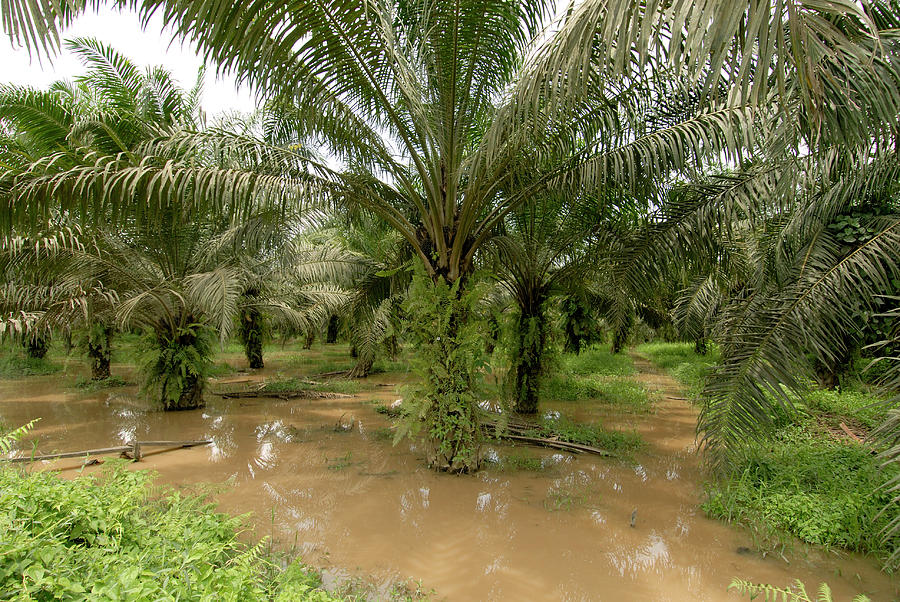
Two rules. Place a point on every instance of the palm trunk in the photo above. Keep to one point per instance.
(528, 359)
(331, 335)
(493, 334)
(68, 345)
(36, 346)
(393, 345)
(183, 358)
(309, 338)
(621, 334)
(252, 337)
(701, 346)
(448, 357)
(99, 351)
(191, 397)
(362, 368)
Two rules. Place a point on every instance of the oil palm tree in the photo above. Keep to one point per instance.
(432, 105)
(545, 250)
(35, 300)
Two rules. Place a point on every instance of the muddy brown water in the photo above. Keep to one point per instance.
(354, 505)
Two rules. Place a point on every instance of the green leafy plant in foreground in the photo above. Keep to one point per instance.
(8, 440)
(795, 593)
(104, 537)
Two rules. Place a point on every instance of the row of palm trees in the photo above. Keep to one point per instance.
(744, 129)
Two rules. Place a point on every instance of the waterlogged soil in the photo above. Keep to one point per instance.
(322, 478)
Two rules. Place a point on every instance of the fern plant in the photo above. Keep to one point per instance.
(8, 440)
(795, 593)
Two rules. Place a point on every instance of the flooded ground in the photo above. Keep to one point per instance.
(354, 505)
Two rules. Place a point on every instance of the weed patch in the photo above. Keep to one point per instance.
(823, 492)
(847, 406)
(90, 385)
(598, 360)
(18, 366)
(594, 435)
(102, 537)
(347, 387)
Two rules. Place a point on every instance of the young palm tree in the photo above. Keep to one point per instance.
(544, 251)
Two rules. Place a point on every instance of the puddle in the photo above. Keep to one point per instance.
(354, 505)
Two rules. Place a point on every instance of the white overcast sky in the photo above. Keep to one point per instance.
(146, 47)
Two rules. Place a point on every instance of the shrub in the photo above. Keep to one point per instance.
(823, 492)
(103, 537)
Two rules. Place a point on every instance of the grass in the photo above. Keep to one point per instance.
(382, 434)
(386, 410)
(221, 369)
(348, 387)
(598, 360)
(850, 407)
(517, 461)
(593, 435)
(597, 374)
(681, 363)
(90, 385)
(341, 462)
(17, 365)
(802, 482)
(820, 490)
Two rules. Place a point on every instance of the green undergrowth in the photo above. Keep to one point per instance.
(594, 435)
(348, 387)
(221, 369)
(105, 537)
(517, 460)
(681, 363)
(387, 410)
(598, 360)
(598, 375)
(821, 490)
(852, 407)
(808, 480)
(90, 385)
(16, 365)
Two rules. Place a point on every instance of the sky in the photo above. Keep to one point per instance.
(145, 47)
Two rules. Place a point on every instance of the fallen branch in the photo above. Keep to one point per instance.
(849, 432)
(301, 394)
(88, 452)
(335, 373)
(134, 448)
(575, 448)
(524, 433)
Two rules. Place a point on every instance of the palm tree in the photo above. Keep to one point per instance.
(433, 105)
(544, 251)
(35, 300)
(111, 109)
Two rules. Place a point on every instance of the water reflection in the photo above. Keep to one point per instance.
(348, 499)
